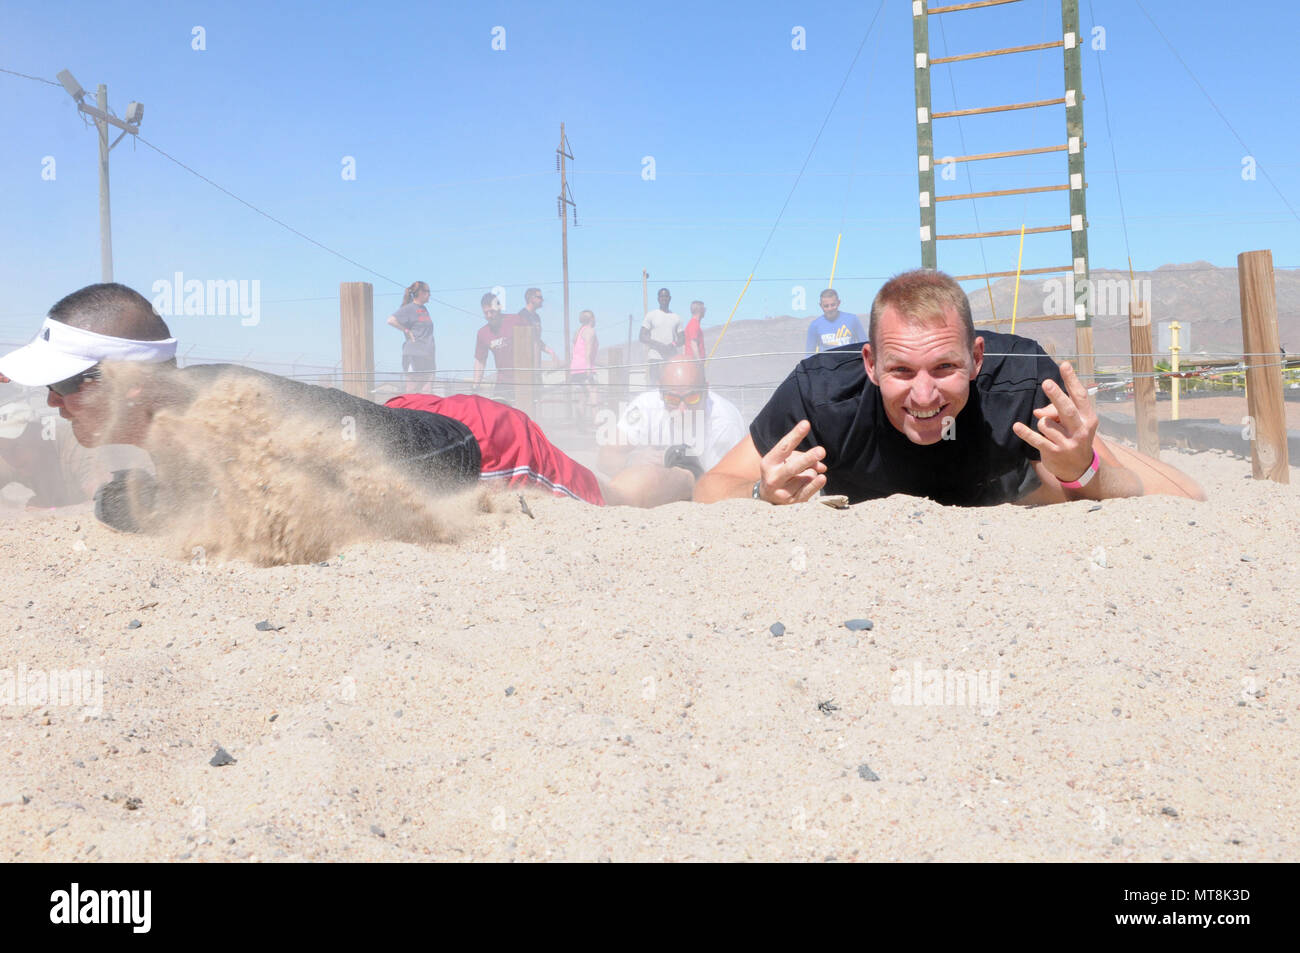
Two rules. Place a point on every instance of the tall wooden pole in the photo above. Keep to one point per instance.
(924, 132)
(357, 326)
(1269, 456)
(1144, 382)
(1083, 299)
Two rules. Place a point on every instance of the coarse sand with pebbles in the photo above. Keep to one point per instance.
(605, 684)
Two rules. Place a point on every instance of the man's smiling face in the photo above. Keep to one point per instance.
(924, 371)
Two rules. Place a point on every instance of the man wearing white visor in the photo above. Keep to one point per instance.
(443, 444)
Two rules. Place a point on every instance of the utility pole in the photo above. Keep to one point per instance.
(103, 119)
(105, 213)
(563, 203)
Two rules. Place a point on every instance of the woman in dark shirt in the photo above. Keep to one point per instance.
(418, 355)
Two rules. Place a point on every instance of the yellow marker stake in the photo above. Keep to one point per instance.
(1015, 301)
(732, 315)
(835, 260)
(1174, 351)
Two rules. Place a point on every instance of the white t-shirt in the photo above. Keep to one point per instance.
(663, 326)
(710, 429)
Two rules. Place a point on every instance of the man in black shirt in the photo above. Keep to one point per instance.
(927, 408)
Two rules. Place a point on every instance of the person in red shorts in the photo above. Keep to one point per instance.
(445, 443)
(514, 450)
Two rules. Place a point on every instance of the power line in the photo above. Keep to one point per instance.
(38, 79)
(1215, 107)
(250, 205)
(286, 226)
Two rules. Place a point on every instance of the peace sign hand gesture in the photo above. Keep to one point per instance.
(789, 476)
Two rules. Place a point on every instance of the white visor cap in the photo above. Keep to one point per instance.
(60, 351)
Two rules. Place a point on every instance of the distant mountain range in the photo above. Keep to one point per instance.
(1204, 299)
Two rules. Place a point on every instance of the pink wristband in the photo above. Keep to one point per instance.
(1088, 474)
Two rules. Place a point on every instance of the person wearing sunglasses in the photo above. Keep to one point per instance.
(667, 437)
(108, 361)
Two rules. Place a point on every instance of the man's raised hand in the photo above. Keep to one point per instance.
(1066, 428)
(791, 476)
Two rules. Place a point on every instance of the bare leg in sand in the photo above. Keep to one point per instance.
(1158, 479)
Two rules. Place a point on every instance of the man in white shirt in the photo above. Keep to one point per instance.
(668, 437)
(662, 334)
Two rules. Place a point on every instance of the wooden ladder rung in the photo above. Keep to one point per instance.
(1036, 319)
(1006, 49)
(1012, 274)
(1007, 155)
(986, 195)
(982, 110)
(969, 6)
(1004, 233)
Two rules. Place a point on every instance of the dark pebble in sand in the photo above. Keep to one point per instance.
(326, 563)
(133, 804)
(1115, 712)
(133, 624)
(266, 626)
(859, 625)
(377, 830)
(777, 629)
(510, 690)
(1093, 509)
(221, 758)
(866, 774)
(1247, 559)
(1169, 810)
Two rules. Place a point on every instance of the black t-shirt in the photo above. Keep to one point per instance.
(437, 450)
(867, 458)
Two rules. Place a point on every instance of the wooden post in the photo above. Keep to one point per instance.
(1269, 457)
(924, 133)
(616, 382)
(525, 398)
(357, 325)
(1144, 382)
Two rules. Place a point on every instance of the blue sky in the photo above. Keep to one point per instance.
(454, 145)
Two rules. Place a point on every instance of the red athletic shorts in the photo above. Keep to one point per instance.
(513, 448)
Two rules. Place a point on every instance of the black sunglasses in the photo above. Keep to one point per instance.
(69, 386)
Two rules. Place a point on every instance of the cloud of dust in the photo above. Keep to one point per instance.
(243, 477)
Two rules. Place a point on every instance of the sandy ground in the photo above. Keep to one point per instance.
(603, 684)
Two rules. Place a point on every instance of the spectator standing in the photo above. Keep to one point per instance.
(497, 337)
(662, 335)
(419, 359)
(582, 370)
(528, 313)
(834, 328)
(694, 350)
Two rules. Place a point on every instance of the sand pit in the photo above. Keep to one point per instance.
(603, 684)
